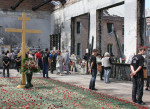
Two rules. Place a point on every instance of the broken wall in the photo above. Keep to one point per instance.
(39, 20)
(79, 8)
(91, 6)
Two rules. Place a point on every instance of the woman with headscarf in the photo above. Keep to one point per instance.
(107, 67)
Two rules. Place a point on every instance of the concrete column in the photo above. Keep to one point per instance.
(93, 27)
(130, 21)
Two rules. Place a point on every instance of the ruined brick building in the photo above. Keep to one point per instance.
(110, 43)
(77, 25)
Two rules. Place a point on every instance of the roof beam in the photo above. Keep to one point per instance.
(16, 5)
(63, 2)
(40, 5)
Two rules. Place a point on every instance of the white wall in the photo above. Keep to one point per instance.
(93, 27)
(90, 6)
(38, 21)
(130, 38)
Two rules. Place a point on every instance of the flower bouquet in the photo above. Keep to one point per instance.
(29, 67)
(84, 65)
(79, 61)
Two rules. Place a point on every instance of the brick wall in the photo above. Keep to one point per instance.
(103, 37)
(82, 38)
(109, 38)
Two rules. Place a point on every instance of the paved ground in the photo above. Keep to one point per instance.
(120, 89)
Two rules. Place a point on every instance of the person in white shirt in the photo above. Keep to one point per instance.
(107, 67)
(102, 72)
(12, 57)
(30, 55)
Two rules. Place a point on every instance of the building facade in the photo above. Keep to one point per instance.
(81, 7)
(110, 24)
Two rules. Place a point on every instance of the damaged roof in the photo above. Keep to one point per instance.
(40, 5)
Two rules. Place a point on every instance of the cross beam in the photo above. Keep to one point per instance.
(16, 5)
(40, 5)
(23, 49)
(21, 30)
(20, 53)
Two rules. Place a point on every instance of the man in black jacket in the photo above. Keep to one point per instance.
(138, 76)
(6, 61)
(45, 61)
(93, 69)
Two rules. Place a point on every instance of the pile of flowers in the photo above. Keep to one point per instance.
(79, 60)
(83, 64)
(29, 66)
(53, 94)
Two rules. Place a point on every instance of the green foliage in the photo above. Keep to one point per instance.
(29, 66)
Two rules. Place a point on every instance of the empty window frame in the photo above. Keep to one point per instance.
(78, 27)
(110, 27)
(122, 30)
(55, 41)
(110, 48)
(123, 48)
(78, 49)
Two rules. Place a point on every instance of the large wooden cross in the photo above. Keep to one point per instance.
(23, 49)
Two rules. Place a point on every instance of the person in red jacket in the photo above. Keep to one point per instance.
(38, 59)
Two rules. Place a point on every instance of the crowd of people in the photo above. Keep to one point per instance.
(46, 60)
(53, 60)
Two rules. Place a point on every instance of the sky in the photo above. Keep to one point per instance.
(147, 4)
(118, 10)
